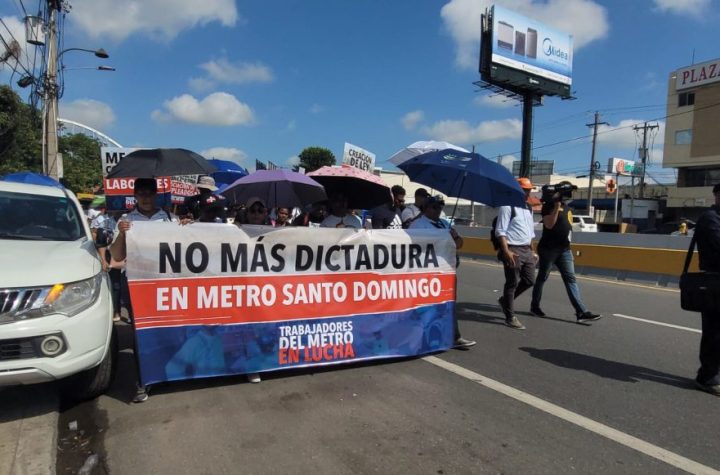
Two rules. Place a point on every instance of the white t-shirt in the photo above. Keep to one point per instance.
(349, 220)
(410, 212)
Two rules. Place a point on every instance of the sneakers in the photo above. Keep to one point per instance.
(537, 312)
(141, 395)
(588, 316)
(514, 323)
(506, 311)
(713, 389)
(463, 344)
(254, 378)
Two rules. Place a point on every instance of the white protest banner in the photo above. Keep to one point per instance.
(257, 299)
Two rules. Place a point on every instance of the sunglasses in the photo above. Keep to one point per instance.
(256, 210)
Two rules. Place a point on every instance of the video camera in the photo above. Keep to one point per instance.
(564, 188)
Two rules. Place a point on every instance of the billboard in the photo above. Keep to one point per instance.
(621, 166)
(698, 75)
(524, 54)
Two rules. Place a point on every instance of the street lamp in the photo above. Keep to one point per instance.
(52, 160)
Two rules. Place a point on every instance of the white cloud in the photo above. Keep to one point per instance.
(462, 133)
(222, 71)
(623, 136)
(316, 109)
(201, 84)
(226, 153)
(158, 18)
(495, 100)
(292, 125)
(17, 47)
(584, 19)
(693, 8)
(217, 109)
(412, 119)
(95, 114)
(293, 161)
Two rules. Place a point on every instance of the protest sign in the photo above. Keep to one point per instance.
(216, 299)
(358, 158)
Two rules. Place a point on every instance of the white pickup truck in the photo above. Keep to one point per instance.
(55, 300)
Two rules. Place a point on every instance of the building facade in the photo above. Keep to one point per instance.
(692, 138)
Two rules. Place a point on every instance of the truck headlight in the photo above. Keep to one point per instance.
(66, 299)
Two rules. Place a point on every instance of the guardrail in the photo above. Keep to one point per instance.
(656, 257)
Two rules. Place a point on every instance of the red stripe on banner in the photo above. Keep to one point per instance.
(255, 299)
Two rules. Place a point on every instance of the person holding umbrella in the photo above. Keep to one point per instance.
(145, 192)
(430, 219)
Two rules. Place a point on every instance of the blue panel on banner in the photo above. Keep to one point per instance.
(185, 352)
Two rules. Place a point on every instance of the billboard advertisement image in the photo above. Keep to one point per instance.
(529, 46)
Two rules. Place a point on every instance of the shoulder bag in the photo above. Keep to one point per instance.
(699, 291)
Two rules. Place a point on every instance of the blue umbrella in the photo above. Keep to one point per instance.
(465, 175)
(32, 179)
(227, 171)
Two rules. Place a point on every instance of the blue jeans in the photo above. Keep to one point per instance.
(563, 260)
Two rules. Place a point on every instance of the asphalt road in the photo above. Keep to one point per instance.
(611, 397)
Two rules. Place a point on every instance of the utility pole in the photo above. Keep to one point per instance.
(644, 154)
(592, 159)
(52, 160)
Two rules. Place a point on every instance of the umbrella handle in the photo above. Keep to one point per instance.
(458, 197)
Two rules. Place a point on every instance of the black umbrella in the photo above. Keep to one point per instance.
(157, 162)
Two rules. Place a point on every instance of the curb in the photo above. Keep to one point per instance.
(28, 430)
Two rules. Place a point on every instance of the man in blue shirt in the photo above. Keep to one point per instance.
(515, 232)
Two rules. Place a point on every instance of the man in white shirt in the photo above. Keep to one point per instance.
(413, 211)
(515, 231)
(340, 216)
(431, 219)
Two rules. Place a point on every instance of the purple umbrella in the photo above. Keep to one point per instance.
(278, 188)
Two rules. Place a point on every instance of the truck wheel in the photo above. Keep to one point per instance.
(93, 382)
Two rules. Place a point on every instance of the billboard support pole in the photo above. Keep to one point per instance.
(525, 157)
(617, 194)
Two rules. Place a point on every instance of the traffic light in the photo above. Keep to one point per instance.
(610, 185)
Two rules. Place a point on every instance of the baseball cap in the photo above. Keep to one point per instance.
(437, 199)
(206, 182)
(253, 200)
(525, 183)
(145, 184)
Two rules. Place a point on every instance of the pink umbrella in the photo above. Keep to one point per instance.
(363, 190)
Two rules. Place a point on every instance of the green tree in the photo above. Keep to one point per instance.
(81, 162)
(20, 134)
(312, 158)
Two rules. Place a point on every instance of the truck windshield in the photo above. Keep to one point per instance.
(39, 217)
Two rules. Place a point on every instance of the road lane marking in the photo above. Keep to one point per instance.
(608, 432)
(670, 325)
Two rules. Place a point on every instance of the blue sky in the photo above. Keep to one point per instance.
(243, 80)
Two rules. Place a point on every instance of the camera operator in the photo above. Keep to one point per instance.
(554, 248)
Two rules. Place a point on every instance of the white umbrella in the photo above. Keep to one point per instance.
(418, 148)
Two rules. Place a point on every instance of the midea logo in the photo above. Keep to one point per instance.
(551, 50)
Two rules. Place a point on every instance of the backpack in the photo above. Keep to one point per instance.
(493, 238)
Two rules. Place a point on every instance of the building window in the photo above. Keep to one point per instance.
(688, 177)
(686, 99)
(683, 137)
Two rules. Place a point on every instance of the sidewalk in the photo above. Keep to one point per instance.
(28, 429)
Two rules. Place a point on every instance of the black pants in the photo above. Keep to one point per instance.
(709, 372)
(519, 276)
